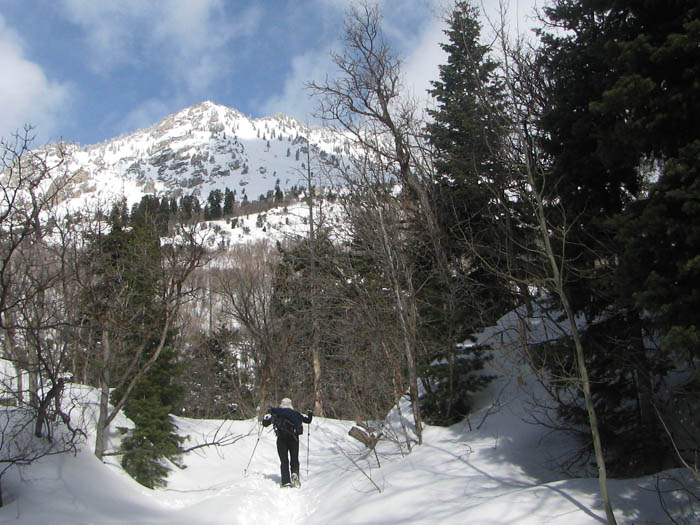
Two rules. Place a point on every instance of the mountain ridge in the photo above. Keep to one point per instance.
(201, 148)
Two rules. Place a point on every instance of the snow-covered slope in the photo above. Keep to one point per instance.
(485, 470)
(203, 147)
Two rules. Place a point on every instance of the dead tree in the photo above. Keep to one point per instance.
(31, 281)
(365, 101)
(314, 274)
(246, 289)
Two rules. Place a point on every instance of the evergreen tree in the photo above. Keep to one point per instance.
(196, 207)
(146, 212)
(154, 436)
(657, 92)
(215, 379)
(119, 216)
(163, 217)
(213, 209)
(173, 207)
(660, 240)
(186, 207)
(622, 100)
(229, 203)
(190, 208)
(467, 134)
(136, 252)
(279, 195)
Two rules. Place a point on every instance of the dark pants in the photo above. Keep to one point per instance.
(288, 450)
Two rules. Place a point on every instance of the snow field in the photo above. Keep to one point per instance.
(494, 468)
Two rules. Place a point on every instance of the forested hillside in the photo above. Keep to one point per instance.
(561, 177)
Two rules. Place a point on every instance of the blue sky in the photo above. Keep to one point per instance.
(89, 70)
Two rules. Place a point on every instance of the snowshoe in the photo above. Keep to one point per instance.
(287, 485)
(296, 481)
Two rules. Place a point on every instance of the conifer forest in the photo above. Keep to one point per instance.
(558, 174)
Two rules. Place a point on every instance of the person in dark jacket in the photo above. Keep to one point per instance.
(287, 423)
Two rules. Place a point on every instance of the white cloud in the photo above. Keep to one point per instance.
(424, 53)
(339, 4)
(295, 99)
(421, 51)
(185, 41)
(111, 29)
(519, 15)
(27, 96)
(145, 115)
(415, 29)
(420, 67)
(195, 37)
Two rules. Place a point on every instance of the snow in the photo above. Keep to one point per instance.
(493, 468)
(280, 223)
(197, 150)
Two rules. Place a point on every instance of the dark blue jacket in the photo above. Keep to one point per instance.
(286, 420)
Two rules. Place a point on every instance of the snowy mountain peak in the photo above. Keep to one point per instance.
(198, 149)
(200, 117)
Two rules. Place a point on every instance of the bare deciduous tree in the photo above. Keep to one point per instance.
(246, 288)
(366, 101)
(33, 422)
(547, 265)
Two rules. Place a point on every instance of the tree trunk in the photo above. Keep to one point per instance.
(11, 348)
(104, 397)
(141, 372)
(33, 379)
(590, 408)
(266, 376)
(318, 397)
(407, 315)
(559, 289)
(316, 332)
(645, 395)
(450, 380)
(396, 381)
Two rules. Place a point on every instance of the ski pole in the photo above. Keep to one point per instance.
(308, 444)
(245, 471)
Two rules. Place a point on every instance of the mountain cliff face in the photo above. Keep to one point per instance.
(201, 148)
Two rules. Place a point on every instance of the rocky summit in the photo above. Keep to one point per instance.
(199, 149)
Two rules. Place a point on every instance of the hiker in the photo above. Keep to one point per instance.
(287, 423)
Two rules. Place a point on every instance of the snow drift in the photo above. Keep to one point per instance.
(493, 468)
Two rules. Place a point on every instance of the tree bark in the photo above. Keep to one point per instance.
(104, 397)
(560, 290)
(315, 328)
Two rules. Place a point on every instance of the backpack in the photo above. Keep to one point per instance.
(287, 421)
